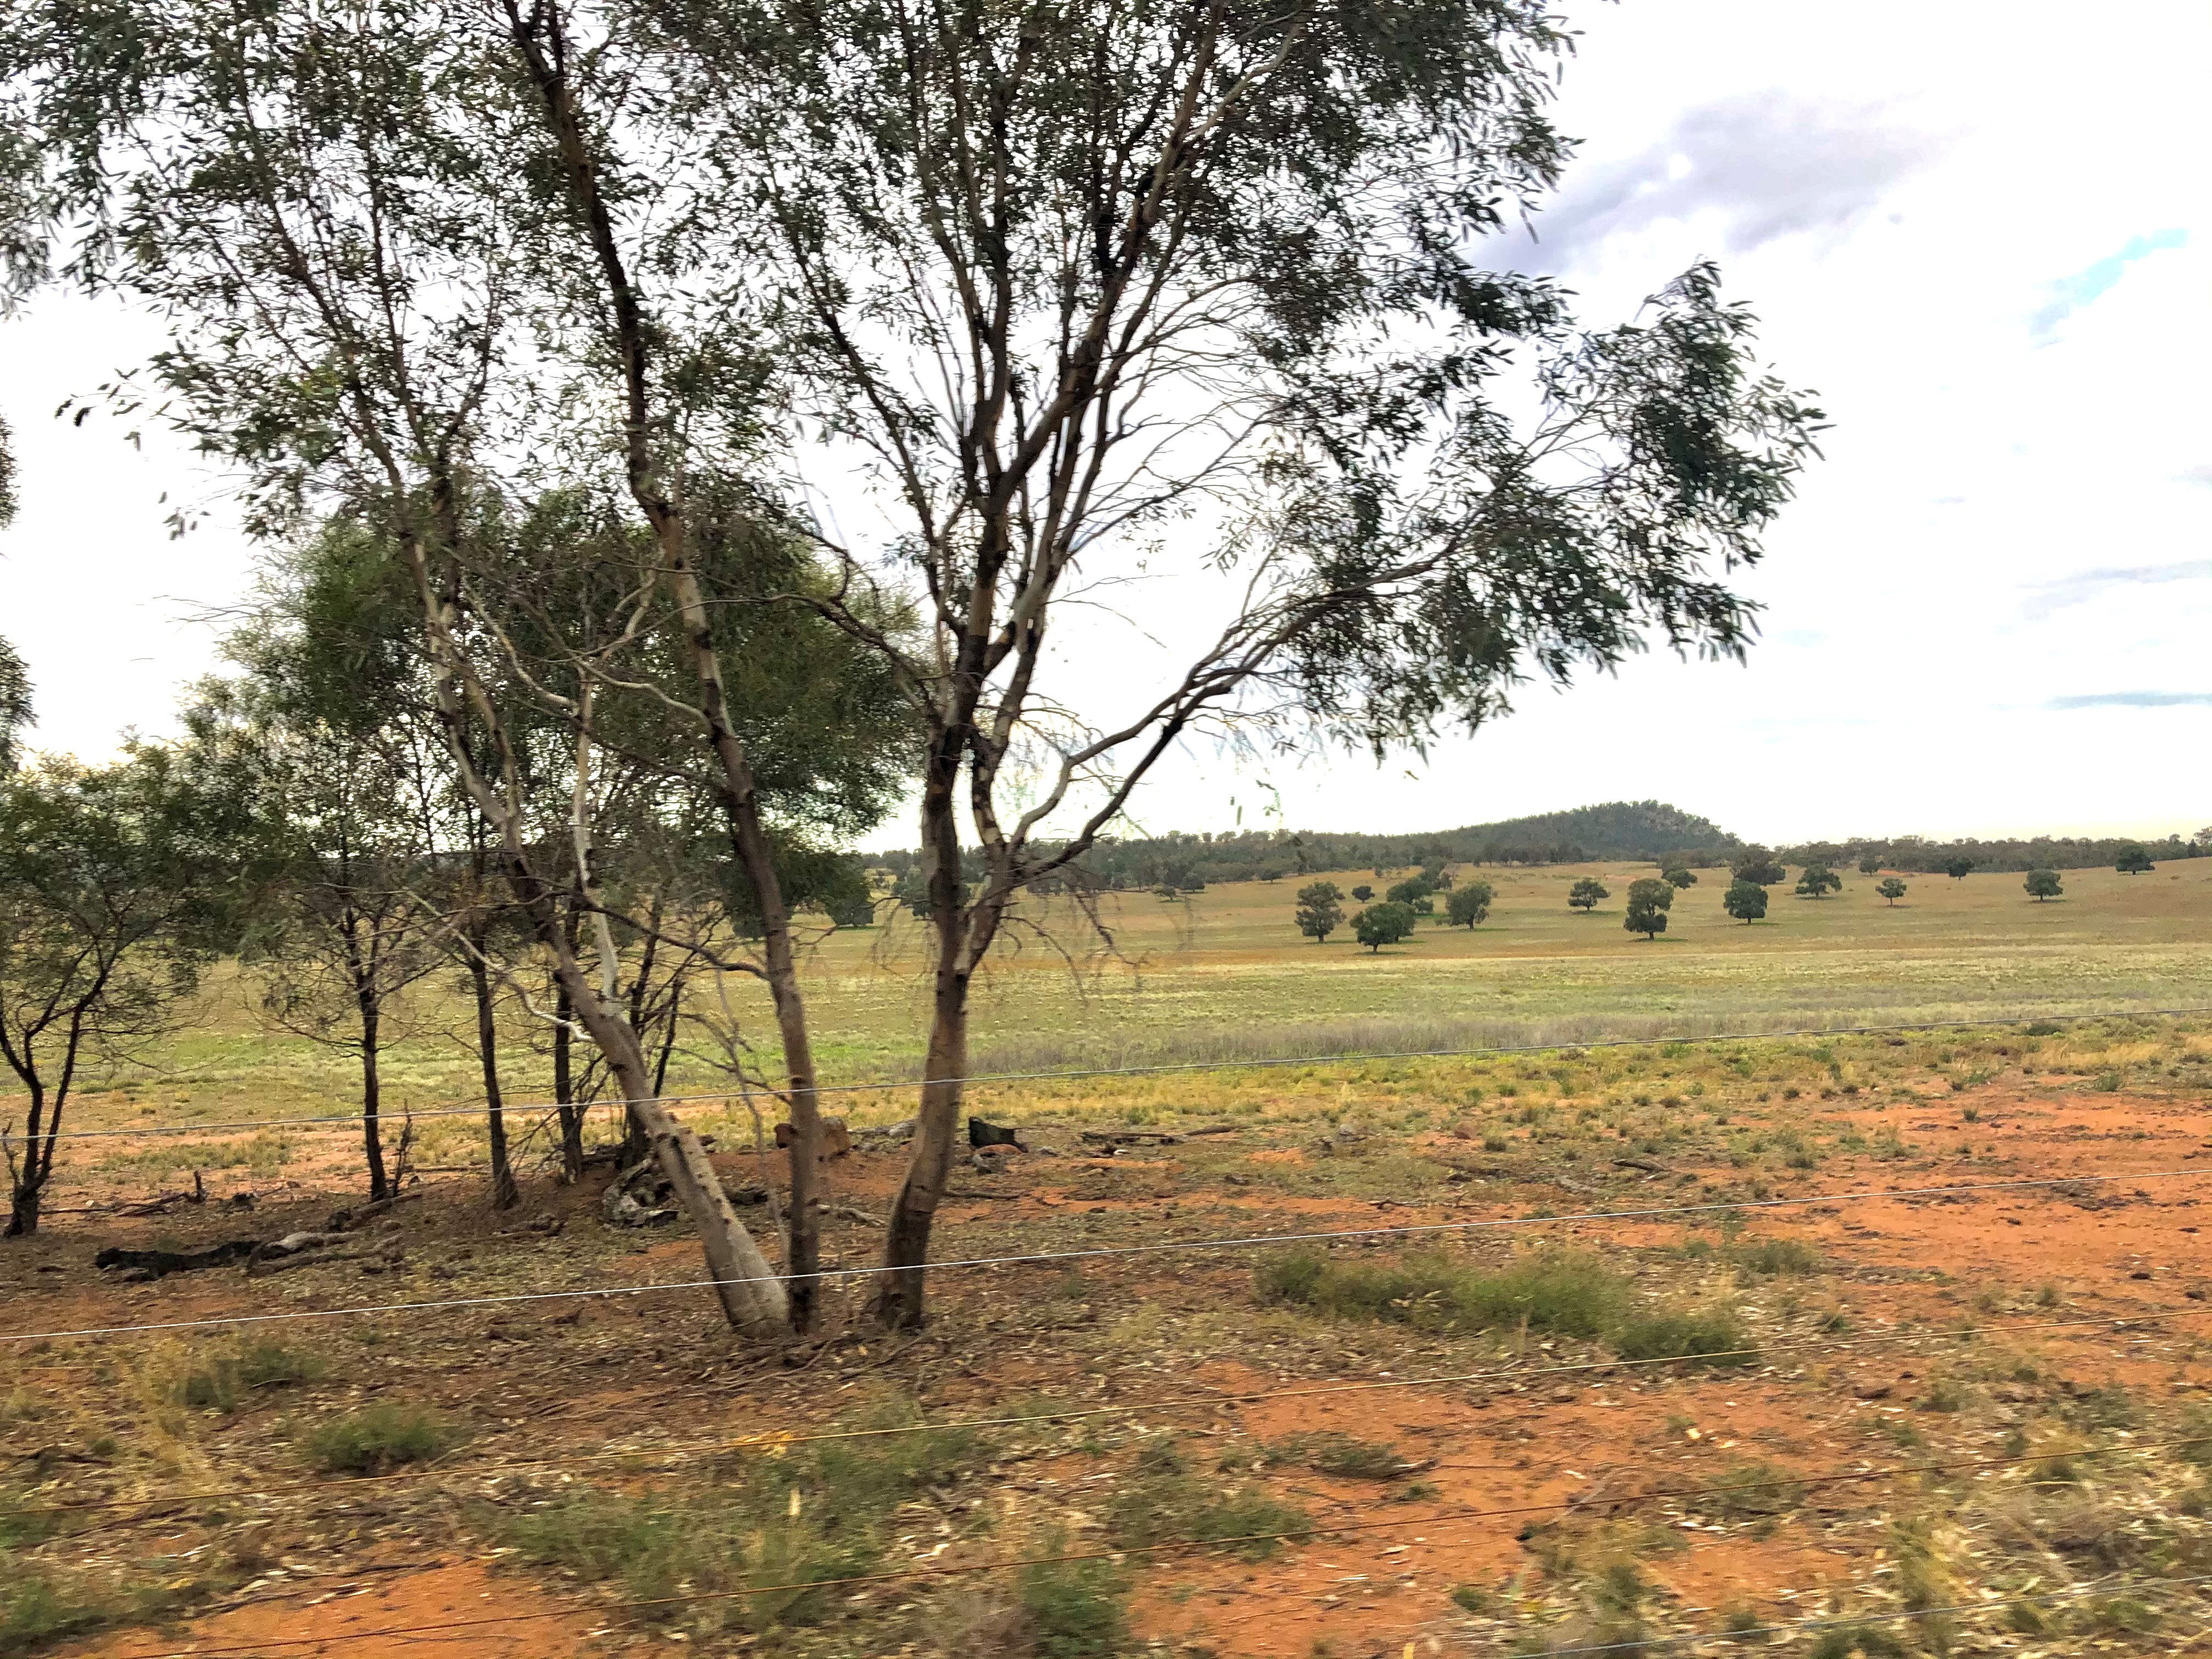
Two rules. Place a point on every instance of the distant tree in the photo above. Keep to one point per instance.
(1891, 888)
(1647, 902)
(1469, 904)
(1410, 891)
(1958, 868)
(1435, 878)
(1818, 881)
(1745, 900)
(2043, 884)
(1679, 878)
(1383, 924)
(1759, 866)
(1587, 893)
(2132, 860)
(1870, 864)
(118, 884)
(1321, 910)
(1362, 893)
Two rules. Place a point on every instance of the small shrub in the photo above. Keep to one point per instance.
(1472, 1598)
(1779, 1258)
(217, 1385)
(1750, 1491)
(1342, 1455)
(1714, 1335)
(377, 1437)
(1073, 1609)
(1160, 1508)
(1566, 1292)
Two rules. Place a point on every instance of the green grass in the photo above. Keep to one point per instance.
(1165, 1505)
(1713, 1335)
(1562, 1293)
(796, 1520)
(381, 1437)
(1073, 1609)
(219, 1382)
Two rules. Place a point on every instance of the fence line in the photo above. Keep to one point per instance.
(772, 1440)
(1098, 1252)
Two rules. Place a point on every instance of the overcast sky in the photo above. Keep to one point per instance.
(1979, 231)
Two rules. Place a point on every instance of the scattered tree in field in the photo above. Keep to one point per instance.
(1383, 924)
(1759, 866)
(1321, 910)
(1745, 900)
(1587, 893)
(1818, 881)
(1469, 904)
(1679, 878)
(2043, 884)
(1362, 893)
(1891, 889)
(2132, 860)
(1647, 902)
(118, 884)
(1959, 868)
(1870, 864)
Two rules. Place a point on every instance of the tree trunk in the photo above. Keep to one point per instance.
(899, 1302)
(27, 1183)
(564, 1089)
(504, 1194)
(635, 344)
(752, 1298)
(372, 1103)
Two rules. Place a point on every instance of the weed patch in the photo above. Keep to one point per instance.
(381, 1436)
(1562, 1293)
(1160, 1508)
(1712, 1336)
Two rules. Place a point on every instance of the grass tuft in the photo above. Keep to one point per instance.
(1563, 1292)
(1714, 1335)
(381, 1436)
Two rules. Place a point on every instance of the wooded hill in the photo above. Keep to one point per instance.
(1647, 829)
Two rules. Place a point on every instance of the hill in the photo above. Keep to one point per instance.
(1644, 829)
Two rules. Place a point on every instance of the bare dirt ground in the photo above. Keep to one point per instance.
(1469, 1484)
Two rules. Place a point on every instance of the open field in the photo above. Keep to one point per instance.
(1547, 1426)
(1225, 976)
(1493, 1477)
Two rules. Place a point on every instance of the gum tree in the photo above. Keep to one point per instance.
(1061, 278)
(385, 284)
(116, 889)
(1321, 910)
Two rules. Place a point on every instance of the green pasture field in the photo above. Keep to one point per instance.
(1224, 975)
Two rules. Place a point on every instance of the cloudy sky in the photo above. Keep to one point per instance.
(1979, 231)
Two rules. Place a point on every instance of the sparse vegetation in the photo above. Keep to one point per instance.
(381, 1436)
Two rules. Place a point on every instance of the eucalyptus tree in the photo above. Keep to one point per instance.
(366, 226)
(330, 203)
(118, 884)
(1100, 293)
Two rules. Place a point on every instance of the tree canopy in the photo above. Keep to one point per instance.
(2043, 884)
(1320, 910)
(1383, 924)
(1745, 900)
(1588, 893)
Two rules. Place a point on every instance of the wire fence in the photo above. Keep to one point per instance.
(1103, 1251)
